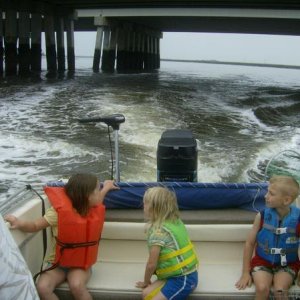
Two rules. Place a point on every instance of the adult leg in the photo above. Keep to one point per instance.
(77, 280)
(152, 292)
(281, 284)
(263, 283)
(48, 281)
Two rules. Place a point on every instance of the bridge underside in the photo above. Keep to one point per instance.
(228, 16)
(95, 4)
(128, 32)
(204, 24)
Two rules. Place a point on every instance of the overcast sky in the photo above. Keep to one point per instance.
(216, 46)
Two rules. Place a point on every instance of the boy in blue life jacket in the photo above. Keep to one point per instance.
(275, 238)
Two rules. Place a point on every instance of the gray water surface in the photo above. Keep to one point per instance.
(241, 116)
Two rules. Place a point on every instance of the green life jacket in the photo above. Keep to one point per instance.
(180, 261)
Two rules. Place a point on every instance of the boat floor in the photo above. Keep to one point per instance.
(206, 216)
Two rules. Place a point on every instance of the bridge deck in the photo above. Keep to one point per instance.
(233, 16)
(258, 4)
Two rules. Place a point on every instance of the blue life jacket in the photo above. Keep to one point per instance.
(277, 241)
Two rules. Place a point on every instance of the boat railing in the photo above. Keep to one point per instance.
(286, 162)
(20, 197)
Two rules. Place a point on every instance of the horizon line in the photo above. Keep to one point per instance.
(212, 61)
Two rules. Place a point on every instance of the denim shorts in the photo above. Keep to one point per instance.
(178, 288)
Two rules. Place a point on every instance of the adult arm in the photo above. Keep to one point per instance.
(298, 235)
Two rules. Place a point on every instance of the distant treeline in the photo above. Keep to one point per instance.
(232, 63)
(217, 62)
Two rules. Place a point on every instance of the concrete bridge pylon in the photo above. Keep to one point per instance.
(125, 47)
(20, 40)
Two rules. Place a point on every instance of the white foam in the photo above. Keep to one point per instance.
(24, 159)
(142, 126)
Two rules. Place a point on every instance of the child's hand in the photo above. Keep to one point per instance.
(142, 284)
(12, 220)
(110, 185)
(244, 281)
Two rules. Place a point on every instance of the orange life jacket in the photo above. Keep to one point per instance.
(78, 237)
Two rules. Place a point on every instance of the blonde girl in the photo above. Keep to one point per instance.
(171, 254)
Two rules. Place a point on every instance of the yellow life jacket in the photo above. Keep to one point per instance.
(177, 262)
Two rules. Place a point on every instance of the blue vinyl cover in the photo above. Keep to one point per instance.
(190, 195)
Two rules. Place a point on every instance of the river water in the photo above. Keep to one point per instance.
(240, 115)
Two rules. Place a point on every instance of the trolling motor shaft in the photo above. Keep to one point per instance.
(114, 121)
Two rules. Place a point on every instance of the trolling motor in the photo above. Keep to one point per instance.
(114, 121)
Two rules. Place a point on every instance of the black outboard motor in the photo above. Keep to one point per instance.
(177, 156)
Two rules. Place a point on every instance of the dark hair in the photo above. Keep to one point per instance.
(78, 188)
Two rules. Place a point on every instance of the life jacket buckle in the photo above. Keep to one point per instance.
(280, 230)
(282, 252)
(276, 250)
(283, 260)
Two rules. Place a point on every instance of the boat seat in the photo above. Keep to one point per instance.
(200, 216)
(111, 280)
(218, 235)
(123, 254)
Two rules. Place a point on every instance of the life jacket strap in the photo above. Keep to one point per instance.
(280, 230)
(279, 251)
(153, 293)
(282, 251)
(63, 247)
(191, 259)
(76, 245)
(177, 252)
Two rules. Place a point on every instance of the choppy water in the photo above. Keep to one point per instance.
(241, 116)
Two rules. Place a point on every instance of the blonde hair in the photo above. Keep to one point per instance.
(162, 205)
(287, 185)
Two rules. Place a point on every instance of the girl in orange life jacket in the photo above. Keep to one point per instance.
(79, 201)
(172, 257)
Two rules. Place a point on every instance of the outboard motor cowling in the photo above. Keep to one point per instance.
(177, 156)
